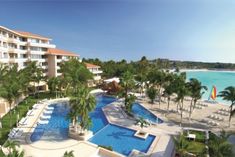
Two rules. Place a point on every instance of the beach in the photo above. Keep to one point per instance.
(200, 116)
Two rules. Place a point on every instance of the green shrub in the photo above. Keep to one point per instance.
(107, 147)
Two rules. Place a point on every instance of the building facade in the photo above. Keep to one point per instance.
(17, 47)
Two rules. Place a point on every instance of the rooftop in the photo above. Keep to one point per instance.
(28, 34)
(55, 51)
(89, 65)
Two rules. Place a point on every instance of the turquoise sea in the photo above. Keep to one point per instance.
(220, 79)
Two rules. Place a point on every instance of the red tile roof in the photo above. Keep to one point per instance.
(61, 52)
(28, 34)
(88, 65)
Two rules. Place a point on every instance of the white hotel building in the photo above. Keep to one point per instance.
(17, 47)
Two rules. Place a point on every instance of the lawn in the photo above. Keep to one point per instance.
(197, 146)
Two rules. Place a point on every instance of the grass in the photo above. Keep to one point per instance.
(197, 146)
(21, 109)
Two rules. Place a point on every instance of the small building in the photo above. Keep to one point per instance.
(95, 70)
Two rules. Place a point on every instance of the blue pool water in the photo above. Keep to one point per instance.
(121, 139)
(56, 129)
(140, 111)
(209, 78)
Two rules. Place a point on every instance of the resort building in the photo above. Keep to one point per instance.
(95, 70)
(17, 47)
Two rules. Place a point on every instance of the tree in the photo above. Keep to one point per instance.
(129, 103)
(53, 85)
(68, 154)
(181, 145)
(12, 149)
(36, 75)
(151, 93)
(10, 88)
(142, 122)
(228, 94)
(74, 75)
(169, 90)
(195, 89)
(82, 104)
(181, 93)
(157, 77)
(127, 82)
(219, 146)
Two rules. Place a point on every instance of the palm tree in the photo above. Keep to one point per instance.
(142, 122)
(10, 89)
(157, 77)
(195, 89)
(129, 103)
(12, 149)
(151, 93)
(228, 94)
(181, 93)
(181, 145)
(82, 104)
(127, 82)
(74, 73)
(169, 90)
(69, 154)
(219, 146)
(53, 85)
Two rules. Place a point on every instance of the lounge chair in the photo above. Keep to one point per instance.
(23, 121)
(47, 112)
(45, 117)
(43, 121)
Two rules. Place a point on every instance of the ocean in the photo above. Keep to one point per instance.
(220, 79)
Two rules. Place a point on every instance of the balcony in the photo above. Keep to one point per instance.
(37, 52)
(13, 40)
(96, 78)
(41, 45)
(12, 60)
(96, 71)
(11, 50)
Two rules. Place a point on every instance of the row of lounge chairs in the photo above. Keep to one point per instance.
(202, 104)
(215, 117)
(225, 109)
(15, 133)
(222, 113)
(44, 118)
(211, 122)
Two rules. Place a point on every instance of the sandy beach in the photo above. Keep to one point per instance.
(200, 116)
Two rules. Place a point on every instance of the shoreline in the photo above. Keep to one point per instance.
(207, 70)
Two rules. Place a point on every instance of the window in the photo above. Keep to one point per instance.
(23, 48)
(34, 56)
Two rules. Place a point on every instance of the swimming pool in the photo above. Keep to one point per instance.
(56, 129)
(121, 139)
(140, 111)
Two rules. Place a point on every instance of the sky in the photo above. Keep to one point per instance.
(192, 30)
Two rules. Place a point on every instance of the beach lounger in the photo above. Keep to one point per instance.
(47, 112)
(23, 121)
(15, 133)
(45, 117)
(30, 113)
(43, 121)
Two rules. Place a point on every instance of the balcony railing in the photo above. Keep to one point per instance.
(41, 45)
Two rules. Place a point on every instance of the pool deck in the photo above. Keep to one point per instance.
(161, 146)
